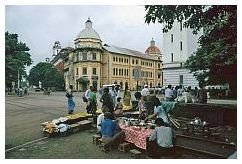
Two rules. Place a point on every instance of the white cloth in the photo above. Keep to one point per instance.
(145, 92)
(100, 118)
(163, 136)
(63, 127)
(186, 97)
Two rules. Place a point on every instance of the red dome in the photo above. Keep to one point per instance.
(152, 50)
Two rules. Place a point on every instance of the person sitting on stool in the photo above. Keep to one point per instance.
(160, 142)
(111, 132)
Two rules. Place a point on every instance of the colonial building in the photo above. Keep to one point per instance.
(92, 63)
(178, 45)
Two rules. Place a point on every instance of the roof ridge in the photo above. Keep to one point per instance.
(116, 49)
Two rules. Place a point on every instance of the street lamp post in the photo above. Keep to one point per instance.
(137, 72)
(18, 78)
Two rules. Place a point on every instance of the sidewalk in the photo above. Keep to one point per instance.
(220, 101)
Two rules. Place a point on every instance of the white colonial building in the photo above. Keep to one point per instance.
(178, 45)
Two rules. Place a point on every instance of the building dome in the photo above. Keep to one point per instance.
(88, 32)
(152, 49)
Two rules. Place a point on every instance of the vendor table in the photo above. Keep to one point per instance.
(136, 136)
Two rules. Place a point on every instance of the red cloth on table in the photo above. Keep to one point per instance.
(136, 136)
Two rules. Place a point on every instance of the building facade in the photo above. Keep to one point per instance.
(92, 63)
(178, 45)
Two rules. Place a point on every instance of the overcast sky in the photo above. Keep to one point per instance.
(39, 26)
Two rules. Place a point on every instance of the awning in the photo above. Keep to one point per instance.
(82, 80)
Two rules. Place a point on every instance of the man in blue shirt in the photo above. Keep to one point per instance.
(108, 126)
(111, 132)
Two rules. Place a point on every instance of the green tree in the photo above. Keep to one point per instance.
(47, 74)
(215, 61)
(16, 59)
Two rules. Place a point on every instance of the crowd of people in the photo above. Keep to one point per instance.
(181, 94)
(162, 138)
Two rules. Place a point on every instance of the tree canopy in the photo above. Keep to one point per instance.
(215, 61)
(16, 58)
(47, 74)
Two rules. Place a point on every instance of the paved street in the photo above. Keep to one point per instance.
(24, 115)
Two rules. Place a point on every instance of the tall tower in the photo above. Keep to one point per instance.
(179, 43)
(56, 48)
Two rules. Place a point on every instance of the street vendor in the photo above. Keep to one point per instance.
(162, 111)
(100, 119)
(118, 109)
(160, 142)
(143, 112)
(127, 96)
(110, 130)
(159, 112)
(106, 100)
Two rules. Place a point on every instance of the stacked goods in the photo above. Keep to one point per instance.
(59, 120)
(77, 117)
(50, 127)
(63, 124)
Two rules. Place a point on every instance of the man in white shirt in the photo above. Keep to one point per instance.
(100, 119)
(113, 94)
(145, 91)
(159, 112)
(160, 142)
(169, 94)
(88, 93)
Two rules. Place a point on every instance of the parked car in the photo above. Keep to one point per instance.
(158, 90)
(108, 86)
(37, 89)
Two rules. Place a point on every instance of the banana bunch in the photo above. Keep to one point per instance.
(126, 108)
(77, 115)
(99, 111)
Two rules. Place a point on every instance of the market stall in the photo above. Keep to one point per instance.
(136, 131)
(66, 125)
